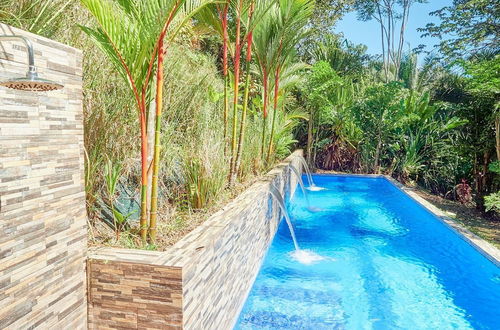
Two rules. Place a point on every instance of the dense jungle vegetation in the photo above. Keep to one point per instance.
(185, 101)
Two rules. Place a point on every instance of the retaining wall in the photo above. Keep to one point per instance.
(202, 281)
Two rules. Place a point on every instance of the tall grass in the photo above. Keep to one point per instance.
(43, 17)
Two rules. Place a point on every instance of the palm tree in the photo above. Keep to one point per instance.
(248, 61)
(291, 19)
(246, 14)
(239, 8)
(250, 11)
(258, 8)
(186, 10)
(265, 42)
(131, 34)
(343, 56)
(290, 74)
(216, 18)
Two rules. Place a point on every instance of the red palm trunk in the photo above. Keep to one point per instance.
(237, 58)
(264, 114)
(157, 147)
(276, 91)
(158, 51)
(144, 173)
(245, 97)
(225, 41)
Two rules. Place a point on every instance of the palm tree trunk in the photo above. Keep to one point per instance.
(276, 91)
(309, 138)
(315, 149)
(226, 109)
(225, 70)
(245, 105)
(237, 56)
(271, 137)
(264, 117)
(150, 132)
(377, 155)
(497, 135)
(144, 175)
(482, 186)
(157, 144)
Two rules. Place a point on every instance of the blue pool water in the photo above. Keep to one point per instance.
(389, 264)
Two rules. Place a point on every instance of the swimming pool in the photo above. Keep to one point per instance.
(389, 264)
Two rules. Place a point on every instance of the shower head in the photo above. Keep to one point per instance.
(31, 82)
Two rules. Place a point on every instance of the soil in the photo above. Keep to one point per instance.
(174, 222)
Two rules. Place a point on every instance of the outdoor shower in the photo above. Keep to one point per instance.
(31, 82)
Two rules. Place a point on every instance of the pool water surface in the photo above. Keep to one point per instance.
(388, 264)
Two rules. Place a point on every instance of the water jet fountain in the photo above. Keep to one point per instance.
(301, 184)
(307, 170)
(306, 257)
(281, 202)
(304, 191)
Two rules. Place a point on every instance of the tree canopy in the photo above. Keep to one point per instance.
(466, 27)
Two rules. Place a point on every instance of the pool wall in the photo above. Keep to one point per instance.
(202, 281)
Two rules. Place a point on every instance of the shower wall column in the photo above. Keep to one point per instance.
(43, 235)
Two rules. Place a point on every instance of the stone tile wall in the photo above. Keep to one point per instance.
(43, 237)
(201, 282)
(150, 296)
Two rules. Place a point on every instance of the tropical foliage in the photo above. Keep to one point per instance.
(192, 98)
(133, 34)
(466, 27)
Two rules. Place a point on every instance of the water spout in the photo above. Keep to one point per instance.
(281, 202)
(307, 170)
(305, 257)
(301, 184)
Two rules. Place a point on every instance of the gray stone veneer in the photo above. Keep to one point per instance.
(203, 280)
(43, 236)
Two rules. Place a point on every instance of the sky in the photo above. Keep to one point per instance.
(368, 33)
